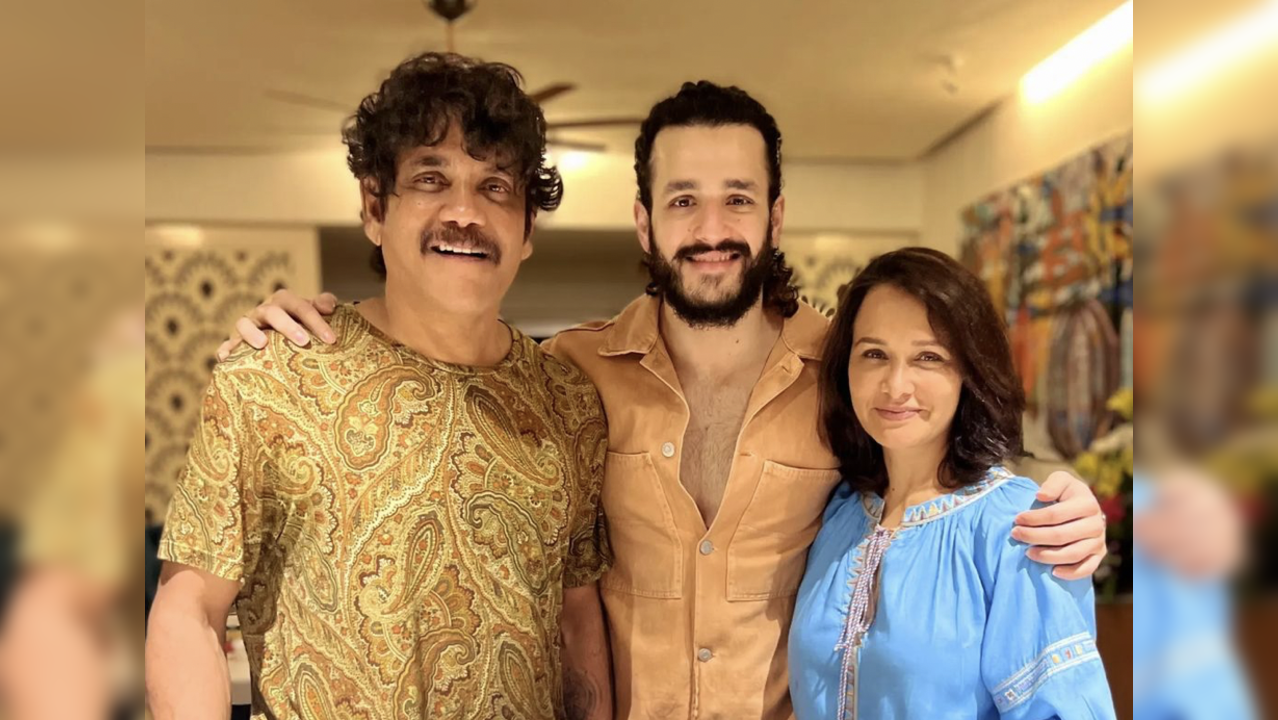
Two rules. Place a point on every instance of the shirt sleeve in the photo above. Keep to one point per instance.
(589, 553)
(1038, 656)
(211, 518)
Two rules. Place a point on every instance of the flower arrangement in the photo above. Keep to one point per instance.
(1108, 465)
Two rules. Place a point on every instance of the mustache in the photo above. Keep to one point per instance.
(470, 237)
(735, 246)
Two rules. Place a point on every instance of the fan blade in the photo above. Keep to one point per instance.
(598, 122)
(550, 92)
(575, 145)
(309, 101)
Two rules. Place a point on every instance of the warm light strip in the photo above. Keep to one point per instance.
(1110, 34)
(1211, 54)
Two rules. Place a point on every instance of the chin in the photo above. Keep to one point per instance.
(712, 293)
(898, 438)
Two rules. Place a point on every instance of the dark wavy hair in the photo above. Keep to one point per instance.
(427, 94)
(704, 103)
(987, 424)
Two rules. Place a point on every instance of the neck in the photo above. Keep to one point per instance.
(913, 477)
(477, 339)
(719, 350)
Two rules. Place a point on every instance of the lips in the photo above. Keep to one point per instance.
(714, 256)
(469, 244)
(897, 414)
(470, 252)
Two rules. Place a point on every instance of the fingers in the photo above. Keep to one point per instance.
(1056, 486)
(1059, 513)
(224, 350)
(277, 319)
(1090, 527)
(310, 317)
(299, 309)
(326, 303)
(1079, 571)
(1068, 554)
(1193, 528)
(250, 333)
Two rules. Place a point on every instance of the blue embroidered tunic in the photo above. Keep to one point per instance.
(942, 617)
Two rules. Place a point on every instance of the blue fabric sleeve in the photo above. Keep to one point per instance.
(1038, 655)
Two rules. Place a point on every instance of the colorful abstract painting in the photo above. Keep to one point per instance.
(1055, 251)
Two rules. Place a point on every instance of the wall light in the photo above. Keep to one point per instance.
(568, 160)
(1110, 34)
(1254, 30)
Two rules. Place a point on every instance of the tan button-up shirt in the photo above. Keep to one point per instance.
(699, 616)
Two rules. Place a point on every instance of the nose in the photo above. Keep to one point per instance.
(712, 226)
(461, 208)
(898, 385)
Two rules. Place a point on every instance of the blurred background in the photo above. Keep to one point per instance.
(1002, 132)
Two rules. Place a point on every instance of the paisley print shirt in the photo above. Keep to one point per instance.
(403, 527)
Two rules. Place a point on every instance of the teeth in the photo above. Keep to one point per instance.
(458, 250)
(714, 257)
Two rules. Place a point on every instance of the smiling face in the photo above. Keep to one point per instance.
(903, 381)
(453, 229)
(709, 234)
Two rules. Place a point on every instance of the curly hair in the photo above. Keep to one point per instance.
(429, 93)
(986, 429)
(706, 104)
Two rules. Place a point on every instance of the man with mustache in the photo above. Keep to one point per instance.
(716, 473)
(407, 519)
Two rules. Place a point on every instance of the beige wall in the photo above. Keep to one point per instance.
(197, 281)
(1225, 111)
(1017, 139)
(315, 188)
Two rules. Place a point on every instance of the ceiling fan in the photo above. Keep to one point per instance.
(450, 11)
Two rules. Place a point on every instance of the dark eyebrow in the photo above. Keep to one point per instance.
(916, 343)
(680, 185)
(430, 160)
(735, 184)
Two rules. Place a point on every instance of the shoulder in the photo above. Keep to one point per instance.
(1004, 496)
(565, 380)
(844, 503)
(561, 371)
(578, 341)
(285, 362)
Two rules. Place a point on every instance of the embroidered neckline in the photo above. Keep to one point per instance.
(863, 584)
(939, 507)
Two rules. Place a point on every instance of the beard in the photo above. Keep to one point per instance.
(725, 311)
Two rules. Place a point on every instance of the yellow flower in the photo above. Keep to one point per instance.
(1087, 465)
(1110, 480)
(1123, 402)
(1263, 402)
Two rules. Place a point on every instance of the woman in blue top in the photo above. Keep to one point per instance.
(918, 602)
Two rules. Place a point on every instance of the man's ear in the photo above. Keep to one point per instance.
(778, 218)
(528, 244)
(643, 226)
(372, 210)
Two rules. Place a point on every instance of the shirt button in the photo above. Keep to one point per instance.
(704, 654)
(668, 449)
(707, 547)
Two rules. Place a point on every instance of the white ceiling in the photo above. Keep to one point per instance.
(846, 79)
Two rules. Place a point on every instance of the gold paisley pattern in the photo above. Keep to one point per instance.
(404, 528)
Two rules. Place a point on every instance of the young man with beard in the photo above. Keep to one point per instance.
(716, 474)
(407, 519)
